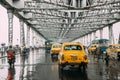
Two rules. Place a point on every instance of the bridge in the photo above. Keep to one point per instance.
(32, 22)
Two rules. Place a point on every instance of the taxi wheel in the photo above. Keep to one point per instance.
(83, 67)
(60, 66)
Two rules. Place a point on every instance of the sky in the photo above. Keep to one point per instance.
(16, 28)
(4, 27)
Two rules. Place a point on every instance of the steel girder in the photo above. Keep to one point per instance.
(54, 20)
(90, 18)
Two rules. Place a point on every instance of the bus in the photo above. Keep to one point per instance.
(100, 41)
(48, 45)
(101, 46)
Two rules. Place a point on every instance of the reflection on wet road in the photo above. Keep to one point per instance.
(11, 74)
(73, 75)
(38, 66)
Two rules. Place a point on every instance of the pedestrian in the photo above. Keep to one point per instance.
(107, 59)
(23, 50)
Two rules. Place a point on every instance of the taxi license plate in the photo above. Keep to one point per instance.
(73, 58)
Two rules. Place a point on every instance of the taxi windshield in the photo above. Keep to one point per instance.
(72, 47)
(117, 47)
(57, 46)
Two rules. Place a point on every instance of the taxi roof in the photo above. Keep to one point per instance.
(114, 44)
(56, 43)
(72, 43)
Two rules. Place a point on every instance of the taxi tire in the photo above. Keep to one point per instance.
(83, 67)
(60, 66)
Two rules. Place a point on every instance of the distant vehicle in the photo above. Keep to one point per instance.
(56, 47)
(92, 48)
(102, 45)
(73, 54)
(113, 51)
(48, 45)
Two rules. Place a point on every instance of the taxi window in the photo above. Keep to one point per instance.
(57, 46)
(72, 47)
(117, 47)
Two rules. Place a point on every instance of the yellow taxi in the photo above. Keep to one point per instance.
(113, 50)
(55, 49)
(117, 48)
(110, 49)
(92, 48)
(72, 53)
(118, 51)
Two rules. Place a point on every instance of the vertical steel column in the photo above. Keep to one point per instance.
(22, 33)
(101, 33)
(111, 38)
(28, 36)
(80, 40)
(84, 40)
(90, 37)
(33, 38)
(94, 35)
(36, 40)
(10, 26)
(119, 39)
(87, 39)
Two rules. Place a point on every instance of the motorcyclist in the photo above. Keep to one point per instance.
(11, 54)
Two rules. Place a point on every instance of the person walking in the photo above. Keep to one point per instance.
(23, 50)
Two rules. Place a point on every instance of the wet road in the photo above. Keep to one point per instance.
(38, 66)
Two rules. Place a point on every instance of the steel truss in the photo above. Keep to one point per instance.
(53, 18)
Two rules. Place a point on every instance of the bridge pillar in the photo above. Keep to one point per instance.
(111, 38)
(10, 26)
(28, 36)
(90, 35)
(101, 33)
(94, 35)
(22, 33)
(84, 40)
(33, 37)
(119, 39)
(87, 39)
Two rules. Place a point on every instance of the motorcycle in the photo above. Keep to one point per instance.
(11, 60)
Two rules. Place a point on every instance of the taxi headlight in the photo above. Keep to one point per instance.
(62, 57)
(85, 57)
